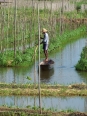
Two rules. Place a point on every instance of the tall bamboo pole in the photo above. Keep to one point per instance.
(0, 23)
(62, 7)
(24, 28)
(2, 28)
(61, 17)
(7, 26)
(60, 23)
(15, 11)
(44, 8)
(39, 62)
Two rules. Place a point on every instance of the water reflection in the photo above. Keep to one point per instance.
(63, 73)
(46, 75)
(66, 59)
(14, 75)
(85, 105)
(74, 103)
(83, 76)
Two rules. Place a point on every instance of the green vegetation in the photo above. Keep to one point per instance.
(21, 58)
(82, 2)
(5, 111)
(82, 63)
(46, 90)
(79, 4)
(18, 40)
(19, 34)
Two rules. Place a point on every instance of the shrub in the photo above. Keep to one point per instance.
(18, 59)
(82, 63)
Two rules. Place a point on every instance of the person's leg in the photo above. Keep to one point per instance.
(46, 51)
(46, 55)
(45, 47)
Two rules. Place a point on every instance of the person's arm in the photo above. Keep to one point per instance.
(41, 42)
(41, 38)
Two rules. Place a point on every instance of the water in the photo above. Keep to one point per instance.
(63, 73)
(55, 103)
(65, 64)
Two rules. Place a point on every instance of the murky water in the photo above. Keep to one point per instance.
(55, 103)
(63, 72)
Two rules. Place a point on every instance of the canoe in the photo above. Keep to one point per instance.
(44, 65)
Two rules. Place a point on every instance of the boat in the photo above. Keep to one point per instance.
(44, 65)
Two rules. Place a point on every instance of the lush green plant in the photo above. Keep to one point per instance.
(78, 8)
(68, 110)
(7, 58)
(18, 59)
(82, 63)
(27, 33)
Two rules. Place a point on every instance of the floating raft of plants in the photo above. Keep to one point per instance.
(46, 90)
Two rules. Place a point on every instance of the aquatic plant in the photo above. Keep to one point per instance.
(82, 63)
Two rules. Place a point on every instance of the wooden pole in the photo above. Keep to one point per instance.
(15, 10)
(39, 62)
(7, 27)
(2, 29)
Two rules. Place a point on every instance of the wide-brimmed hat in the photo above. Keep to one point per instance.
(44, 30)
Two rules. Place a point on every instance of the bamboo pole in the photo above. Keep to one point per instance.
(15, 11)
(2, 26)
(39, 62)
(24, 28)
(7, 27)
(35, 66)
(60, 23)
(2, 23)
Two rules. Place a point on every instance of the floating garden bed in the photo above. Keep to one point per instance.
(46, 90)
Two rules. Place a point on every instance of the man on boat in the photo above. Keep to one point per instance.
(45, 43)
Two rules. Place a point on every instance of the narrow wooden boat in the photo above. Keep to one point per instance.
(44, 65)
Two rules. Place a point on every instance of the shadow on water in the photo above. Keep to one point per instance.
(83, 76)
(46, 75)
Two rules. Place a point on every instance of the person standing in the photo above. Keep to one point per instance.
(45, 43)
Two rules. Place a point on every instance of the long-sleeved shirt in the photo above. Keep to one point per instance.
(46, 38)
